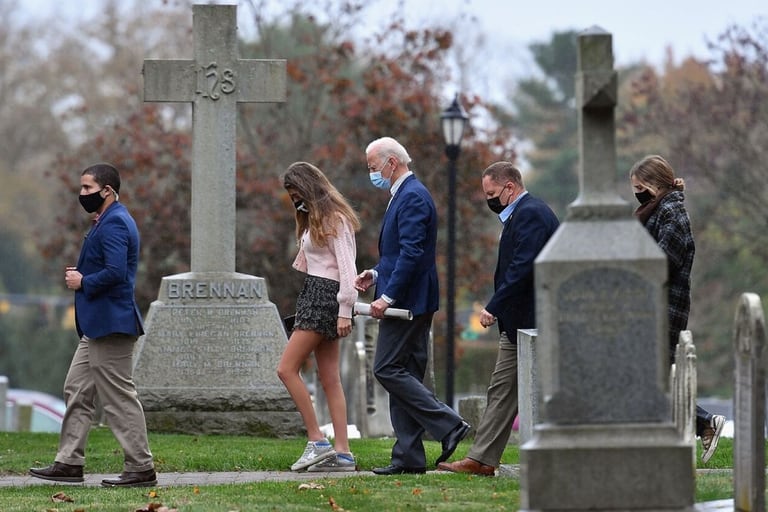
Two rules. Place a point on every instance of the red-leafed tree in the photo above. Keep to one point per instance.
(341, 95)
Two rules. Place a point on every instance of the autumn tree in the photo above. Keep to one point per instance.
(341, 95)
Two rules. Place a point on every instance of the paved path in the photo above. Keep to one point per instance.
(173, 479)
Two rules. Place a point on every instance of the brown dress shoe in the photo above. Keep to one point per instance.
(467, 465)
(59, 472)
(146, 478)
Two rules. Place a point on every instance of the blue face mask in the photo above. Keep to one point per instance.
(379, 181)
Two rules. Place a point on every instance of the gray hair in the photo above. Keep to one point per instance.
(387, 147)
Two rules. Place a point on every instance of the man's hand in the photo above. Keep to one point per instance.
(378, 307)
(363, 281)
(486, 319)
(73, 279)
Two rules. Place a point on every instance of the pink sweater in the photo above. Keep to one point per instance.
(334, 261)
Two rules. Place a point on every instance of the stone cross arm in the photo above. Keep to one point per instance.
(257, 81)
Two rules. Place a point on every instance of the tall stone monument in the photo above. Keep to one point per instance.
(213, 339)
(606, 440)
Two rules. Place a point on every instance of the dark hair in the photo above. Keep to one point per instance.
(104, 174)
(502, 172)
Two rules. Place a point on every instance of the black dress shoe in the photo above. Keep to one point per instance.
(452, 440)
(59, 472)
(398, 470)
(146, 478)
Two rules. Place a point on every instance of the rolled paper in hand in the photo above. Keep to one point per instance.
(364, 309)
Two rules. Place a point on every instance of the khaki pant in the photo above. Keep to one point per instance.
(496, 424)
(104, 367)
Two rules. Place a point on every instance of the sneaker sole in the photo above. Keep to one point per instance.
(312, 462)
(348, 469)
(713, 446)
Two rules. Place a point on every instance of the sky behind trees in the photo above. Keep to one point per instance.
(640, 31)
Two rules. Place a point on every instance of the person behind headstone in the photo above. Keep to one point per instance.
(527, 225)
(325, 234)
(662, 212)
(406, 277)
(108, 322)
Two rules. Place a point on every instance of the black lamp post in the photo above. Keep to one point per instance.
(453, 120)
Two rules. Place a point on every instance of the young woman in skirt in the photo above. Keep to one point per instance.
(325, 234)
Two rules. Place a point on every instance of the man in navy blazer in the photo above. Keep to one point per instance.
(108, 322)
(406, 277)
(528, 223)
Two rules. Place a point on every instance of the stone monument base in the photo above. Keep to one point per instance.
(606, 467)
(207, 362)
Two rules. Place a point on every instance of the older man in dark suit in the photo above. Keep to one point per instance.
(406, 277)
(108, 323)
(528, 223)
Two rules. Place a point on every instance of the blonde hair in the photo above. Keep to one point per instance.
(324, 202)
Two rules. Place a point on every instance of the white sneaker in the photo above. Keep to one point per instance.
(315, 452)
(711, 436)
(338, 463)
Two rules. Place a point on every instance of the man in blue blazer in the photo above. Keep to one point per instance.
(528, 223)
(406, 277)
(108, 322)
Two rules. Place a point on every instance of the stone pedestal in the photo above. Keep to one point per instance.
(631, 466)
(207, 363)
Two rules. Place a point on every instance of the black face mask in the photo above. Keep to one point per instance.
(91, 202)
(644, 196)
(300, 206)
(495, 205)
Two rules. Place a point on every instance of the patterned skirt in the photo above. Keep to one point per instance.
(317, 308)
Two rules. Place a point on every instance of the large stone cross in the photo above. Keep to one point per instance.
(215, 81)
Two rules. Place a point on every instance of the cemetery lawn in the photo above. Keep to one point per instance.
(186, 453)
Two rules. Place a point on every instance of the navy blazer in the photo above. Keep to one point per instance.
(105, 304)
(523, 237)
(407, 270)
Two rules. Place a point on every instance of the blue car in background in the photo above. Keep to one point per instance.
(47, 410)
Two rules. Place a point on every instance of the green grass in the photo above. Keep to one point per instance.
(183, 453)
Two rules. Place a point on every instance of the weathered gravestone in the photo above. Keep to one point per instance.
(605, 440)
(213, 339)
(682, 385)
(749, 406)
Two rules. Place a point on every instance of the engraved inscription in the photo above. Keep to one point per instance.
(211, 82)
(215, 289)
(227, 343)
(604, 303)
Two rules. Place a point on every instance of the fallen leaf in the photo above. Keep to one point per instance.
(60, 497)
(311, 485)
(334, 506)
(152, 494)
(416, 492)
(196, 490)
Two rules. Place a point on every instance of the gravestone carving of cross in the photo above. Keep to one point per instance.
(215, 81)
